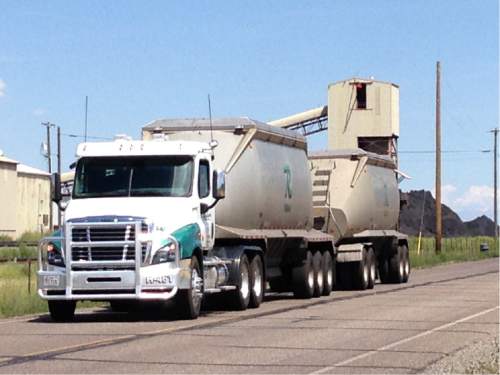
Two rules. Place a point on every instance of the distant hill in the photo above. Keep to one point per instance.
(453, 226)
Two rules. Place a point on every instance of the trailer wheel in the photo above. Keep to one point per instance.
(396, 266)
(372, 264)
(406, 258)
(303, 278)
(188, 301)
(328, 276)
(240, 298)
(62, 311)
(362, 271)
(383, 270)
(256, 281)
(319, 280)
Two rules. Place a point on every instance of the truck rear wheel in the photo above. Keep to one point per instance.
(406, 263)
(396, 266)
(303, 278)
(256, 281)
(240, 298)
(328, 277)
(319, 280)
(362, 271)
(188, 301)
(372, 263)
(62, 311)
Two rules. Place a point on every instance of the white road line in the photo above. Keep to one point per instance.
(390, 346)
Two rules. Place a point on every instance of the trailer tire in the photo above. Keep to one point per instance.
(257, 282)
(383, 270)
(328, 274)
(240, 298)
(344, 276)
(372, 264)
(362, 271)
(406, 258)
(319, 280)
(188, 301)
(303, 278)
(62, 311)
(396, 266)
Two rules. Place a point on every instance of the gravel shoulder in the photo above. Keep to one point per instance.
(482, 357)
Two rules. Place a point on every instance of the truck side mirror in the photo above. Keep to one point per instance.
(56, 187)
(219, 184)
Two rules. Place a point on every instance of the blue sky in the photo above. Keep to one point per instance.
(139, 61)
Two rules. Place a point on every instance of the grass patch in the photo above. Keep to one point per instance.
(456, 249)
(18, 253)
(15, 297)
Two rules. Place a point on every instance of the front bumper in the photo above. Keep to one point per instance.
(96, 276)
(156, 282)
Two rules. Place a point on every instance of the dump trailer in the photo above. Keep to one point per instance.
(356, 199)
(194, 208)
(355, 180)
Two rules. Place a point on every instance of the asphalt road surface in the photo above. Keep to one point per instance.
(391, 329)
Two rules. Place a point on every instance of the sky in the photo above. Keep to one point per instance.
(140, 61)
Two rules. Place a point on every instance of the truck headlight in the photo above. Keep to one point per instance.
(50, 254)
(167, 253)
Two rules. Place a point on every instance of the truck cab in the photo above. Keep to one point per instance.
(140, 218)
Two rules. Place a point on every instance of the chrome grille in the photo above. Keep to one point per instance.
(116, 253)
(105, 242)
(121, 233)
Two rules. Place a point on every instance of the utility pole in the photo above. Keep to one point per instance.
(48, 125)
(495, 185)
(59, 171)
(86, 110)
(439, 222)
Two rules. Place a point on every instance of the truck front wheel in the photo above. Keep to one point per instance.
(188, 301)
(62, 311)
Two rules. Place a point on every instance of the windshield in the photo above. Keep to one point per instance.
(145, 176)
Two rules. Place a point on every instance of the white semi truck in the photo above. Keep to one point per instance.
(198, 208)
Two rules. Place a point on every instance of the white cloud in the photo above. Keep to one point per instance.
(39, 112)
(475, 201)
(447, 194)
(3, 87)
(478, 198)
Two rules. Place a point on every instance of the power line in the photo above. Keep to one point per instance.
(442, 151)
(85, 136)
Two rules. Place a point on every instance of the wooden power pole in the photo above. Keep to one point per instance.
(59, 216)
(439, 220)
(495, 184)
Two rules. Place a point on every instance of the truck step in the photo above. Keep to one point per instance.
(220, 289)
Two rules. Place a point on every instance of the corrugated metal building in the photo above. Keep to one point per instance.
(24, 198)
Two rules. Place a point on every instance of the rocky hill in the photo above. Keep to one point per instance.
(452, 224)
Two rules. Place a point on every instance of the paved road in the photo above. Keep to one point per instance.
(392, 329)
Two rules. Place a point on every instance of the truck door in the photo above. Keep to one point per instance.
(208, 218)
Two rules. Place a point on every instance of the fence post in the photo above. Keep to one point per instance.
(29, 276)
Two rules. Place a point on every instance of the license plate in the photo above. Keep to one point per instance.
(51, 280)
(158, 280)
